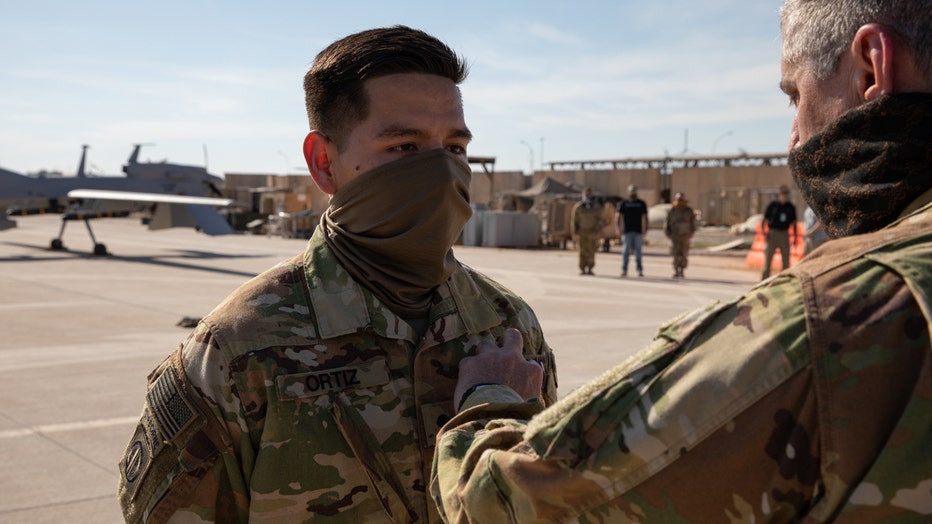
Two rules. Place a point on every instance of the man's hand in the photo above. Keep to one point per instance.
(501, 363)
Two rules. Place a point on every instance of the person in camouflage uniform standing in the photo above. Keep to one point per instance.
(807, 399)
(679, 226)
(587, 224)
(314, 392)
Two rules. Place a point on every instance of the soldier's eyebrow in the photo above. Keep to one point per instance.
(463, 133)
(399, 131)
(394, 131)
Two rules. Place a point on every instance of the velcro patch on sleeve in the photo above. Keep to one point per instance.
(136, 460)
(170, 409)
(171, 441)
(433, 417)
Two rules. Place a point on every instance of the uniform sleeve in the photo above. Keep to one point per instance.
(623, 442)
(184, 458)
(463, 446)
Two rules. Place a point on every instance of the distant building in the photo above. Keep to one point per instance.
(724, 189)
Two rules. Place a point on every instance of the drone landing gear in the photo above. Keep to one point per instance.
(100, 250)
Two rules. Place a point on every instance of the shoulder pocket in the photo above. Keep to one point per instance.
(914, 265)
(170, 442)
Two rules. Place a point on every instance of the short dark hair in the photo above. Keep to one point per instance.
(333, 87)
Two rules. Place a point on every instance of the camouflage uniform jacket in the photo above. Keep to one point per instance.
(808, 398)
(588, 220)
(680, 222)
(301, 399)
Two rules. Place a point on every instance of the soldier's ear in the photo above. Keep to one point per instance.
(317, 156)
(872, 49)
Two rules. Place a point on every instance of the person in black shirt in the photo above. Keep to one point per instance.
(779, 222)
(632, 226)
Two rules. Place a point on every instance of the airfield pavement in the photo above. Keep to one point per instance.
(79, 334)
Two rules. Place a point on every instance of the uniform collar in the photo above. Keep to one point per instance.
(331, 289)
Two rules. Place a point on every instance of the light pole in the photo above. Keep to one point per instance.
(287, 163)
(723, 135)
(541, 152)
(530, 155)
(718, 181)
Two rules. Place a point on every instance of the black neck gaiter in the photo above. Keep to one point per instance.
(868, 165)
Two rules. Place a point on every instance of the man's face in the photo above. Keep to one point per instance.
(409, 113)
(817, 102)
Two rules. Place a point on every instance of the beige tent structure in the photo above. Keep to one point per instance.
(531, 197)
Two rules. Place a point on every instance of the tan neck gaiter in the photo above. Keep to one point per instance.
(393, 227)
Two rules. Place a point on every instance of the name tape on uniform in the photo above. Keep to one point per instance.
(302, 385)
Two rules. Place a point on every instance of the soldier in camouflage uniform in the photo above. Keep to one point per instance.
(314, 392)
(679, 226)
(587, 225)
(807, 399)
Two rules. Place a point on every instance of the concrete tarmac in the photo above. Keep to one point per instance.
(79, 334)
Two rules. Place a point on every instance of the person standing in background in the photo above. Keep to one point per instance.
(778, 225)
(679, 226)
(632, 226)
(587, 225)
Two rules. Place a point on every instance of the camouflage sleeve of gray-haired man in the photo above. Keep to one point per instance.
(726, 416)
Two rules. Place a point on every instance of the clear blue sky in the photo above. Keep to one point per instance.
(561, 81)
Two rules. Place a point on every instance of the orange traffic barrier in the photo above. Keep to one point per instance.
(755, 257)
